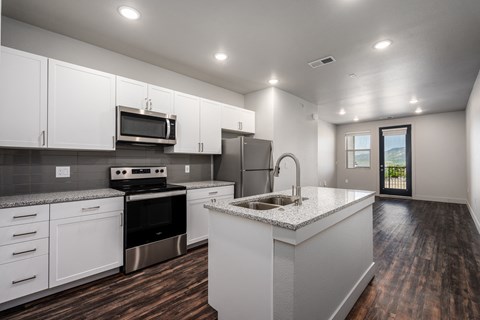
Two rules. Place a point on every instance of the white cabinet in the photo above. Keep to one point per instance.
(23, 251)
(238, 119)
(81, 108)
(86, 238)
(198, 125)
(23, 99)
(197, 215)
(141, 95)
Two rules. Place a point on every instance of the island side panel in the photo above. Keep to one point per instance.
(240, 267)
(329, 270)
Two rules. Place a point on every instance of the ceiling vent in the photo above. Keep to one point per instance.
(321, 62)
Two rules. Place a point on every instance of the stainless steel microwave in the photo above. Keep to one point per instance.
(144, 126)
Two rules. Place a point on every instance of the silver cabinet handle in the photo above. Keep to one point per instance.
(121, 219)
(25, 216)
(23, 252)
(241, 125)
(146, 103)
(199, 147)
(113, 142)
(91, 208)
(213, 192)
(202, 146)
(213, 200)
(150, 102)
(43, 138)
(26, 279)
(24, 234)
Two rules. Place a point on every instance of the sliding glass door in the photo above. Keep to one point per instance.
(396, 160)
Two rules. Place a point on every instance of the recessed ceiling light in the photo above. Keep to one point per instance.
(273, 81)
(382, 44)
(220, 56)
(341, 112)
(413, 101)
(418, 110)
(129, 13)
(355, 119)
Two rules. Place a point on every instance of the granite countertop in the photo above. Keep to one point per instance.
(205, 184)
(321, 203)
(56, 197)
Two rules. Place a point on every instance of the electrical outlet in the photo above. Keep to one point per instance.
(187, 168)
(62, 172)
(346, 180)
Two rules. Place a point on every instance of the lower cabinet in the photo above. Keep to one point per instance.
(87, 243)
(197, 215)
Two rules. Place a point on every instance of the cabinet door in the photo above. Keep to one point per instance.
(84, 246)
(81, 108)
(187, 109)
(131, 93)
(210, 130)
(247, 120)
(23, 99)
(197, 221)
(160, 99)
(230, 118)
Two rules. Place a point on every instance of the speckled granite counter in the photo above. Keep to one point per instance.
(55, 197)
(321, 203)
(205, 184)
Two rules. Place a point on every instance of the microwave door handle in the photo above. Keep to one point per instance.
(168, 129)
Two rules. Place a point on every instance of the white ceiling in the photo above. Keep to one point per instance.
(435, 54)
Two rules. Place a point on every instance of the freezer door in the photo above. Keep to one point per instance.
(256, 182)
(257, 154)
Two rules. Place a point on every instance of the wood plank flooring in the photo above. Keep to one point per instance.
(428, 267)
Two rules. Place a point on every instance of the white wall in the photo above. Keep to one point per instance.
(21, 36)
(289, 118)
(327, 175)
(438, 157)
(473, 152)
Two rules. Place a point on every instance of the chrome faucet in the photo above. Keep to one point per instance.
(296, 189)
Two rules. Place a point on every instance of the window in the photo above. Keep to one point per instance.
(357, 147)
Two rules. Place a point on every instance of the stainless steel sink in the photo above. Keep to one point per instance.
(268, 203)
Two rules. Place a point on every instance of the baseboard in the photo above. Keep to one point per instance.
(425, 198)
(352, 297)
(474, 217)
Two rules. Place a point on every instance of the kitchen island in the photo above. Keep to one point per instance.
(292, 262)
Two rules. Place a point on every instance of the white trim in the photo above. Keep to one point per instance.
(474, 217)
(425, 198)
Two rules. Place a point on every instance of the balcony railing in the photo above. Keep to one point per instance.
(395, 177)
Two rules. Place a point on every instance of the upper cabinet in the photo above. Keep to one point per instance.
(141, 95)
(23, 99)
(238, 120)
(81, 108)
(198, 125)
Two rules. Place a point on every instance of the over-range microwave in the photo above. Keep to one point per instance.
(144, 126)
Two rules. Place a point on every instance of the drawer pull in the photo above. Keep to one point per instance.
(26, 279)
(91, 208)
(23, 252)
(213, 192)
(25, 216)
(24, 234)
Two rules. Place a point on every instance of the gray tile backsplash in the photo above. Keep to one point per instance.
(33, 171)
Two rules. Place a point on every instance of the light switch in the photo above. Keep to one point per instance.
(187, 169)
(62, 172)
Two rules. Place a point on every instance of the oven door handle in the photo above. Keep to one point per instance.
(155, 195)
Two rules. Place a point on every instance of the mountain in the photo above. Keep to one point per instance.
(395, 156)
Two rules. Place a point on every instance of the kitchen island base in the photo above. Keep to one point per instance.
(262, 271)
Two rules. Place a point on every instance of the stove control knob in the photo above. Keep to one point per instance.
(157, 171)
(117, 172)
(124, 171)
(162, 171)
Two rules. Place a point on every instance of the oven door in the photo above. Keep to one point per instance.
(152, 217)
(143, 126)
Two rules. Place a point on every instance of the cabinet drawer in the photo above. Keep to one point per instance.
(23, 250)
(23, 277)
(23, 232)
(22, 215)
(209, 192)
(86, 207)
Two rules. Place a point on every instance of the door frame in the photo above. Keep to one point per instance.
(408, 146)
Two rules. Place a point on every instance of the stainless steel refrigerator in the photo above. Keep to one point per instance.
(248, 162)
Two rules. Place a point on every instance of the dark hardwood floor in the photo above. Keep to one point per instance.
(428, 267)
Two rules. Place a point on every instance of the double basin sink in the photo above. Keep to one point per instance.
(268, 203)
